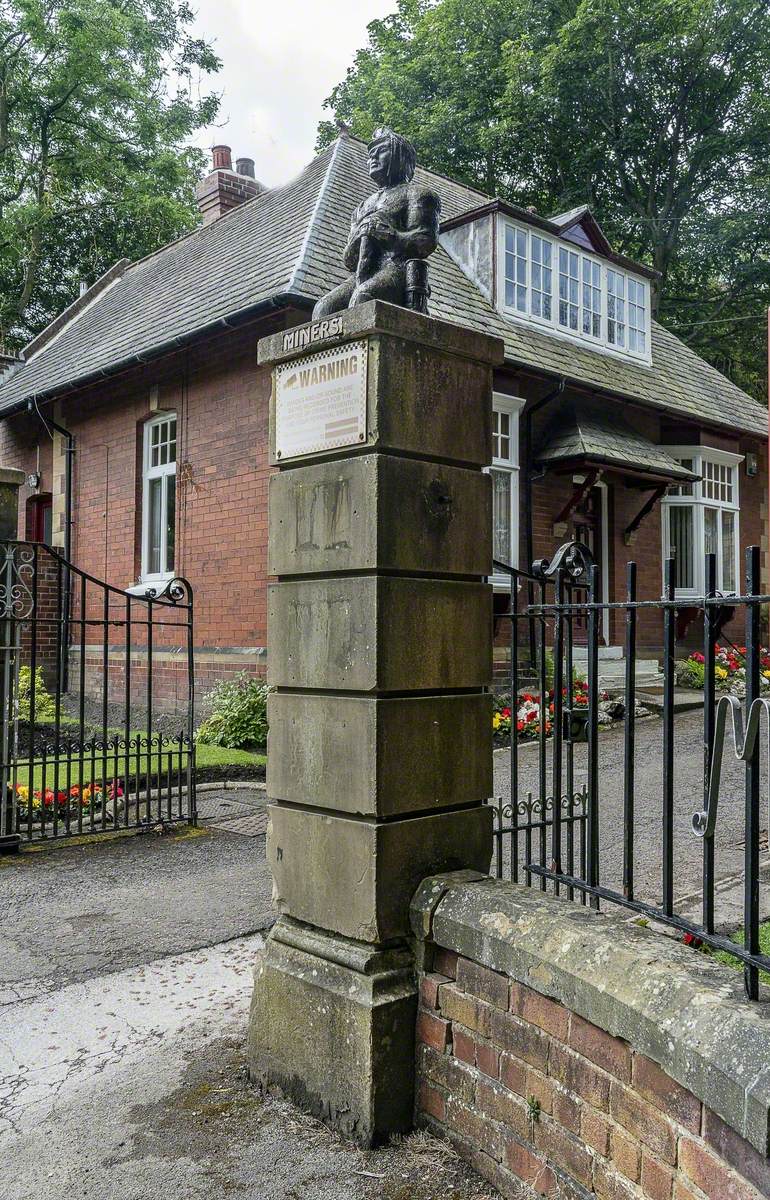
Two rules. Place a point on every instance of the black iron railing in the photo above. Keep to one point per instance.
(96, 700)
(567, 845)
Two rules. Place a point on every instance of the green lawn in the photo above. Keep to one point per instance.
(219, 756)
(205, 756)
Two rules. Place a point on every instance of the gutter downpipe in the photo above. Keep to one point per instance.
(69, 456)
(529, 480)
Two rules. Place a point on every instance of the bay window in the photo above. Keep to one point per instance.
(703, 518)
(573, 292)
(505, 483)
(159, 497)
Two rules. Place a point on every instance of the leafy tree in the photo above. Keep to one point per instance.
(97, 100)
(654, 112)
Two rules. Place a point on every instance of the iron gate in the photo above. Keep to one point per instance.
(550, 832)
(96, 701)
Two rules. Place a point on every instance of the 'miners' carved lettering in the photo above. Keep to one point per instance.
(297, 339)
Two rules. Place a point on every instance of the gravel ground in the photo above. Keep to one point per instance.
(80, 911)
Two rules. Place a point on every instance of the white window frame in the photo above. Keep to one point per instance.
(149, 473)
(512, 406)
(699, 503)
(552, 324)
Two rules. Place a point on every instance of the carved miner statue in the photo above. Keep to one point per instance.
(391, 234)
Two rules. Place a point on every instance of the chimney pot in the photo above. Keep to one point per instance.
(223, 158)
(223, 188)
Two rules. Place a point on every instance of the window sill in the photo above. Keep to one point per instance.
(150, 583)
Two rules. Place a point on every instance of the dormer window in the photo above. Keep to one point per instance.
(542, 277)
(573, 292)
(637, 317)
(616, 308)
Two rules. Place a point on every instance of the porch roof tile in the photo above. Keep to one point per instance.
(583, 432)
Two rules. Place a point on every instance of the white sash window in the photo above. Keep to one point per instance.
(505, 483)
(703, 518)
(159, 498)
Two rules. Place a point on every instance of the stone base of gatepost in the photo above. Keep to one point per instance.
(332, 1027)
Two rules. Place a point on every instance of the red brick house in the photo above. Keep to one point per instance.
(607, 427)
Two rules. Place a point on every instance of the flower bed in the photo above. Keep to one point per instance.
(729, 670)
(46, 802)
(527, 721)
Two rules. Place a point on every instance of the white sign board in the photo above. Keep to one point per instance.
(320, 401)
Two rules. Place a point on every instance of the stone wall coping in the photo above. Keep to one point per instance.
(682, 1009)
(377, 317)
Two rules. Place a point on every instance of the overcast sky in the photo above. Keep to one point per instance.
(280, 60)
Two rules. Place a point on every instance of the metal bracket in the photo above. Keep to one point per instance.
(580, 492)
(644, 511)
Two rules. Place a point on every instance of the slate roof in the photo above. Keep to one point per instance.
(287, 243)
(588, 433)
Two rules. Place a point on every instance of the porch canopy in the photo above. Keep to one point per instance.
(587, 437)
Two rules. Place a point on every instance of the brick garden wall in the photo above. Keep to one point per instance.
(531, 1092)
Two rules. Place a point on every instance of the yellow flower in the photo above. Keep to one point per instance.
(766, 674)
(720, 672)
(496, 721)
(22, 791)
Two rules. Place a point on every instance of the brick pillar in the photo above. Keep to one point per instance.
(380, 745)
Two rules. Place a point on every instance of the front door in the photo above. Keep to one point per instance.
(586, 527)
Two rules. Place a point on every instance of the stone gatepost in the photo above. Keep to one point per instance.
(380, 649)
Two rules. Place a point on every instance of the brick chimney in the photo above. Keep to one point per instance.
(225, 188)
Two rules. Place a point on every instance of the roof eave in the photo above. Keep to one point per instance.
(593, 389)
(232, 321)
(571, 461)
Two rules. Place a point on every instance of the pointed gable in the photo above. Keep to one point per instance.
(580, 226)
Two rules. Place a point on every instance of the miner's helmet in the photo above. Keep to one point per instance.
(403, 157)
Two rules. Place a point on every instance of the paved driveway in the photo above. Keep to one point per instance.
(688, 797)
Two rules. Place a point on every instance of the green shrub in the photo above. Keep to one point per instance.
(691, 674)
(45, 706)
(238, 714)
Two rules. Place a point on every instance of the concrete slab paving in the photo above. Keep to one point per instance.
(132, 1086)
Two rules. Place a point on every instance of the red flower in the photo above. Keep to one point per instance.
(505, 712)
(690, 939)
